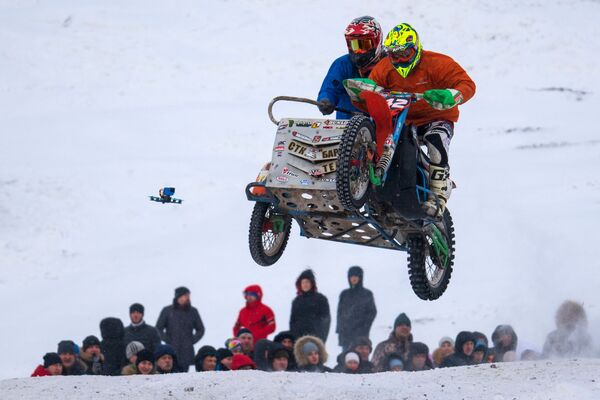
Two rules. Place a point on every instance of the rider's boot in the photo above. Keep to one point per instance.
(441, 185)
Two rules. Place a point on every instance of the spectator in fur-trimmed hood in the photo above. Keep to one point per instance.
(311, 355)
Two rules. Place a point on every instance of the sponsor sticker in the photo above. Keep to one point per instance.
(328, 127)
(330, 138)
(282, 178)
(316, 139)
(286, 171)
(315, 125)
(329, 180)
(305, 182)
(301, 136)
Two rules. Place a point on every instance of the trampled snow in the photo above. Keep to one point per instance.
(575, 379)
(103, 103)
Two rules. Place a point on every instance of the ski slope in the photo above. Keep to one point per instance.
(105, 102)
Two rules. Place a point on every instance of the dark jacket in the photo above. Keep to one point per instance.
(422, 349)
(499, 349)
(261, 349)
(356, 311)
(93, 365)
(274, 349)
(459, 358)
(287, 335)
(143, 333)
(181, 327)
(310, 311)
(332, 87)
(364, 367)
(79, 368)
(112, 345)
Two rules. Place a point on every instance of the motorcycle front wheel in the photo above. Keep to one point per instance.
(430, 259)
(352, 179)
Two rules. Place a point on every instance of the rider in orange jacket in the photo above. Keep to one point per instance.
(444, 84)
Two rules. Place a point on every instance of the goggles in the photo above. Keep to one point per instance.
(401, 53)
(253, 294)
(359, 45)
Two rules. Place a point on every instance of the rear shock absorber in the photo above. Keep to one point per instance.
(386, 157)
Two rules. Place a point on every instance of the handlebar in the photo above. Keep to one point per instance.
(298, 100)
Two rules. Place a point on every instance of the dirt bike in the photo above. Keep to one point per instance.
(345, 181)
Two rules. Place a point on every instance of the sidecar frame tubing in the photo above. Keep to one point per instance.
(362, 218)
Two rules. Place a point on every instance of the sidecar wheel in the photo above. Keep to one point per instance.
(352, 178)
(429, 273)
(267, 245)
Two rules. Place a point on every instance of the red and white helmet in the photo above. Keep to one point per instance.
(365, 42)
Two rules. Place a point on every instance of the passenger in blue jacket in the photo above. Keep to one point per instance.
(365, 49)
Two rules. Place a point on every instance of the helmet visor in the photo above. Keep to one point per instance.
(401, 54)
(359, 45)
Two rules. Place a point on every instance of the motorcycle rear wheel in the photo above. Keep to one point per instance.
(429, 273)
(352, 178)
(267, 243)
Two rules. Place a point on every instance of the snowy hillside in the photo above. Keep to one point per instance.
(544, 380)
(104, 102)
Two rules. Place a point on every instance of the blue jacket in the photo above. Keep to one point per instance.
(333, 89)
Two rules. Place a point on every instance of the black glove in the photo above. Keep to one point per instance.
(326, 107)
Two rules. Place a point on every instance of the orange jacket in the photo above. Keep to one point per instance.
(434, 71)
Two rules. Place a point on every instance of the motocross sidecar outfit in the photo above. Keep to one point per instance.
(341, 180)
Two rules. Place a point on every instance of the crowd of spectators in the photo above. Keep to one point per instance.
(168, 347)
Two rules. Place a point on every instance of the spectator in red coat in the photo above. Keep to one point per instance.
(255, 316)
(52, 366)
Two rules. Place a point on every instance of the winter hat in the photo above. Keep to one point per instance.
(51, 359)
(243, 330)
(419, 348)
(480, 346)
(240, 361)
(66, 347)
(309, 347)
(136, 307)
(144, 355)
(351, 356)
(446, 339)
(90, 341)
(223, 353)
(234, 344)
(395, 362)
(164, 349)
(402, 319)
(180, 291)
(133, 348)
(281, 336)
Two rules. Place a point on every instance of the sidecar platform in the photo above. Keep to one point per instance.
(301, 182)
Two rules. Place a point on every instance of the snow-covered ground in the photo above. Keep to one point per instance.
(576, 379)
(104, 102)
